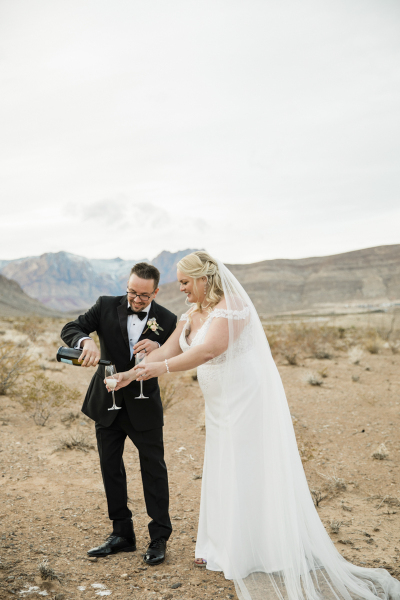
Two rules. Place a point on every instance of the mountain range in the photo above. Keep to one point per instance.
(67, 282)
(362, 279)
(61, 281)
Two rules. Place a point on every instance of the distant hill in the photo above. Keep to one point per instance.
(363, 278)
(369, 277)
(68, 282)
(14, 302)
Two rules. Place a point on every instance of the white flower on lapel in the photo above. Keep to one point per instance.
(154, 326)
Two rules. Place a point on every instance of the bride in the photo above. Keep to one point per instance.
(258, 523)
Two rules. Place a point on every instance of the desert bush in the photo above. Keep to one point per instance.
(291, 357)
(335, 525)
(15, 362)
(317, 496)
(69, 418)
(76, 441)
(313, 379)
(167, 392)
(380, 453)
(30, 327)
(355, 355)
(46, 572)
(373, 346)
(43, 397)
(336, 484)
(309, 339)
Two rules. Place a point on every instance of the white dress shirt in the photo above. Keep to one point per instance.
(135, 327)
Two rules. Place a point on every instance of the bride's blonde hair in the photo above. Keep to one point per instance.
(201, 264)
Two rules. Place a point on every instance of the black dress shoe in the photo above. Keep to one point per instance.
(156, 552)
(113, 545)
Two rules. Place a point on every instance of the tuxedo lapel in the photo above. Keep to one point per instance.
(122, 311)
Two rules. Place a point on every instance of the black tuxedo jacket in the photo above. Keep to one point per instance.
(108, 317)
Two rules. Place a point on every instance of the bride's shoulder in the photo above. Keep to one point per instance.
(236, 309)
(186, 315)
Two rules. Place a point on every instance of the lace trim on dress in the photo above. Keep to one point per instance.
(222, 312)
(230, 314)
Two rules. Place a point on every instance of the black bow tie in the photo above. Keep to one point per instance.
(142, 315)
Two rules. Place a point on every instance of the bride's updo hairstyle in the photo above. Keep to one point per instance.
(201, 264)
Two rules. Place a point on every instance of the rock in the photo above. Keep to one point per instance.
(124, 576)
(92, 558)
(176, 585)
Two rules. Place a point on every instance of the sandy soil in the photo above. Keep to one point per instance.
(52, 504)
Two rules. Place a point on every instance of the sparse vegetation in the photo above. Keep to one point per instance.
(167, 392)
(313, 379)
(15, 361)
(46, 572)
(335, 525)
(355, 355)
(31, 327)
(76, 441)
(42, 397)
(317, 496)
(380, 453)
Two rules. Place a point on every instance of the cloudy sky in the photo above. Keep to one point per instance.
(254, 128)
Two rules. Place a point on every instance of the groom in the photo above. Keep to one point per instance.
(121, 323)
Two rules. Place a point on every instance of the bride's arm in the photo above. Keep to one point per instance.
(215, 343)
(168, 350)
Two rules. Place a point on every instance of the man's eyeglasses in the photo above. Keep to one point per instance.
(142, 297)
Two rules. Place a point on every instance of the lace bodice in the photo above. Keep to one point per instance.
(202, 332)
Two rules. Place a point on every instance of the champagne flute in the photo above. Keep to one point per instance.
(139, 357)
(112, 383)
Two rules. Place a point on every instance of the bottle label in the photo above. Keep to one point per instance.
(65, 360)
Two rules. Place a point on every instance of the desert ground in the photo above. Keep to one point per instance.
(342, 379)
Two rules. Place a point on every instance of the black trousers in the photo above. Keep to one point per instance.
(110, 443)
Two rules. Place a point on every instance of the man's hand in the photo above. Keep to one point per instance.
(145, 346)
(90, 354)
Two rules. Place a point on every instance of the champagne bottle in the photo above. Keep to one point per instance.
(71, 355)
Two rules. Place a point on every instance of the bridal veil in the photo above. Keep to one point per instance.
(279, 548)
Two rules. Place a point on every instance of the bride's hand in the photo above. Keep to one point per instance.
(148, 371)
(123, 379)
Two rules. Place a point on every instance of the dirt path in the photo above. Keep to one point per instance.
(53, 506)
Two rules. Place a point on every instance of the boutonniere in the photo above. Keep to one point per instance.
(154, 326)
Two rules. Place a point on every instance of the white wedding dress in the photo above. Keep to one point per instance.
(258, 523)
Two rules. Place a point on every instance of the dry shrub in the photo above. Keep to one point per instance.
(167, 393)
(69, 418)
(30, 327)
(46, 572)
(318, 496)
(335, 484)
(15, 362)
(380, 453)
(355, 355)
(43, 397)
(335, 525)
(76, 441)
(309, 339)
(313, 379)
(373, 346)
